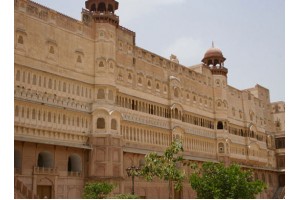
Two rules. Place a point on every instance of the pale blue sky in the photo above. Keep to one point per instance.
(251, 34)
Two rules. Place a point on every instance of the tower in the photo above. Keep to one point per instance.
(106, 157)
(214, 60)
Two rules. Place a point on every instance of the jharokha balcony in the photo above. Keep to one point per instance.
(44, 170)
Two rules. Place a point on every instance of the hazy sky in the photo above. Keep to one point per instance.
(251, 34)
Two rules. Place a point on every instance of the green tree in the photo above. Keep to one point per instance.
(97, 190)
(215, 181)
(165, 167)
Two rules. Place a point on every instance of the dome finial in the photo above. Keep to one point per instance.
(212, 44)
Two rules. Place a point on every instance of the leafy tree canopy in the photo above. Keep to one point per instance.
(215, 181)
(97, 190)
(166, 167)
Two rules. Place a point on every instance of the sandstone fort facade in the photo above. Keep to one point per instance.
(89, 103)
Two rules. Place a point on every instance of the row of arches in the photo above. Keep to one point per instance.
(45, 159)
(145, 136)
(101, 94)
(162, 88)
(142, 81)
(102, 125)
(41, 81)
(44, 115)
(143, 106)
(102, 7)
(174, 112)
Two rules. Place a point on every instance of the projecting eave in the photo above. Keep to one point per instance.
(51, 142)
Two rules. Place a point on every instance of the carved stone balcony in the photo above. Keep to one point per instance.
(75, 174)
(45, 170)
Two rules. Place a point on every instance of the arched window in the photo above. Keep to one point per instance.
(149, 83)
(79, 59)
(17, 160)
(34, 79)
(129, 76)
(93, 7)
(74, 163)
(45, 159)
(176, 92)
(33, 114)
(51, 50)
(18, 75)
(157, 86)
(220, 125)
(221, 147)
(20, 39)
(17, 111)
(101, 94)
(140, 81)
(50, 83)
(49, 116)
(77, 90)
(110, 8)
(110, 95)
(101, 64)
(114, 124)
(64, 87)
(101, 123)
(101, 7)
(176, 113)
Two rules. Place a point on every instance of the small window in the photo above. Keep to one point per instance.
(110, 95)
(20, 39)
(176, 92)
(149, 83)
(74, 163)
(111, 66)
(18, 75)
(157, 86)
(221, 148)
(101, 123)
(49, 117)
(114, 124)
(33, 114)
(17, 111)
(140, 81)
(34, 80)
(17, 159)
(51, 50)
(79, 59)
(220, 125)
(45, 159)
(101, 94)
(50, 83)
(101, 64)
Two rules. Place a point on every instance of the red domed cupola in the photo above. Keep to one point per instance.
(103, 10)
(214, 58)
(102, 6)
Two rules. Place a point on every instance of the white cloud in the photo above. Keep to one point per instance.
(136, 8)
(187, 50)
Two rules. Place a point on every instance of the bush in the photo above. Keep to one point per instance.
(97, 190)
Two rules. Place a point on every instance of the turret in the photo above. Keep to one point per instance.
(102, 11)
(214, 59)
